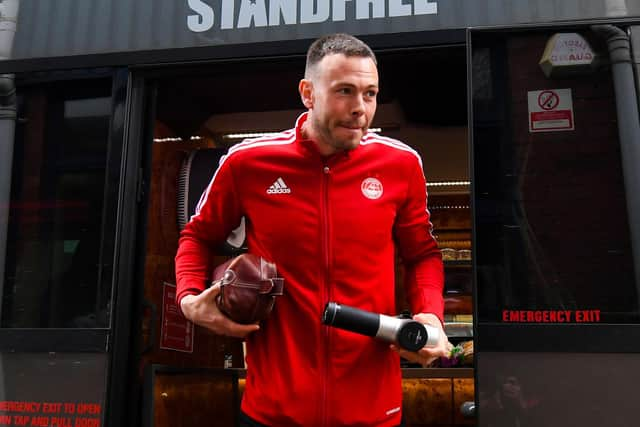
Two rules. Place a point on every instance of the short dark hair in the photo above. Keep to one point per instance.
(329, 44)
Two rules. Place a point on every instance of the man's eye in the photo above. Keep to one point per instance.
(372, 93)
(344, 91)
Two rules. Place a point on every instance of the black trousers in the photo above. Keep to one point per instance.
(245, 421)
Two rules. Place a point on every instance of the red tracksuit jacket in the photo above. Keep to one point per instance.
(330, 225)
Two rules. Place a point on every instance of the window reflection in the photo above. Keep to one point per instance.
(552, 231)
(54, 266)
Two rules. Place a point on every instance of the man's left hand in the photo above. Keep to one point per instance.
(427, 355)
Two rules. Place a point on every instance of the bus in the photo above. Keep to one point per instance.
(525, 114)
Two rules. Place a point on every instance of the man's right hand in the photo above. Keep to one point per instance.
(202, 310)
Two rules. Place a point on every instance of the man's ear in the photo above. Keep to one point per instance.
(306, 93)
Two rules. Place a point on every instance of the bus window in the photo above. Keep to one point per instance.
(53, 275)
(553, 237)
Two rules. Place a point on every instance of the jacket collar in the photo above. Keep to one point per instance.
(299, 122)
(309, 145)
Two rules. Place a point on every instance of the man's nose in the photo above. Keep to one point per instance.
(358, 106)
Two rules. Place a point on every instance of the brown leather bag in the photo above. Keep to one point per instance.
(249, 287)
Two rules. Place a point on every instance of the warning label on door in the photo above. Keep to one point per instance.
(177, 331)
(550, 110)
(50, 414)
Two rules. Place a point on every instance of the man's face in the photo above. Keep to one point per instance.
(341, 97)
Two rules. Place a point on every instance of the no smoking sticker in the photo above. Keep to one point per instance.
(548, 100)
(550, 110)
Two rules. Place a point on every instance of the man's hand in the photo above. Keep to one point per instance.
(202, 310)
(427, 355)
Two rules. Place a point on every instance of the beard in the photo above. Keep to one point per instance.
(327, 137)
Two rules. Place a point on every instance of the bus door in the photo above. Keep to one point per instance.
(553, 127)
(187, 374)
(60, 186)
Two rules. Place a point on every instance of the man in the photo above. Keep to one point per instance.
(345, 196)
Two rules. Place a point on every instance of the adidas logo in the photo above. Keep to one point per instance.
(279, 187)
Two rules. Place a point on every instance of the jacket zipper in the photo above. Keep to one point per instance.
(327, 277)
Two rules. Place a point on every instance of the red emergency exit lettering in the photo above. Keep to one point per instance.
(87, 422)
(88, 408)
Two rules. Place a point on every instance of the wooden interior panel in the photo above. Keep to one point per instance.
(192, 397)
(427, 401)
(161, 246)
